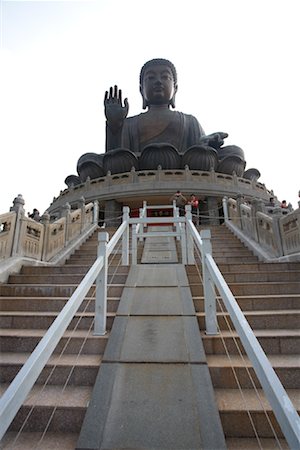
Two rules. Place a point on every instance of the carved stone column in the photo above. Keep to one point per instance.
(213, 211)
(112, 213)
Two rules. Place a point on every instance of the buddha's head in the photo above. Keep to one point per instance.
(158, 83)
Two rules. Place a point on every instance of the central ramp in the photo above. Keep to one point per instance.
(153, 389)
(159, 249)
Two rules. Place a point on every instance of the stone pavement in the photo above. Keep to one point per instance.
(153, 389)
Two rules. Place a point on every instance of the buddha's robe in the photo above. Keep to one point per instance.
(180, 130)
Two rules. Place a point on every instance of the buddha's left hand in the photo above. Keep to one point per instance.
(215, 140)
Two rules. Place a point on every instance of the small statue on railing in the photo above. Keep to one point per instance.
(158, 137)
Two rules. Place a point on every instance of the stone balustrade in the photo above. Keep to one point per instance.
(276, 232)
(24, 237)
(137, 184)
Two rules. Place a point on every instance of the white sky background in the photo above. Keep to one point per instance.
(238, 71)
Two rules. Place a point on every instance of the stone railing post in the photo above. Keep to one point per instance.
(213, 177)
(257, 205)
(81, 205)
(96, 212)
(187, 173)
(45, 220)
(18, 207)
(239, 202)
(225, 208)
(66, 212)
(276, 216)
(235, 179)
(159, 172)
(133, 175)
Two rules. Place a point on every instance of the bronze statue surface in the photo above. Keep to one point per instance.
(158, 136)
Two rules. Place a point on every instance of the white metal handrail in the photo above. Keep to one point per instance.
(280, 402)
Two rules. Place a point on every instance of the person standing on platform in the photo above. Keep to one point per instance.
(180, 201)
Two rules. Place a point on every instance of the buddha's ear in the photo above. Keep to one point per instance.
(172, 101)
(145, 104)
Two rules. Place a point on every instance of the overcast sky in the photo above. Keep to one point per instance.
(238, 72)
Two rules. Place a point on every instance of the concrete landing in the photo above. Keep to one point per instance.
(159, 249)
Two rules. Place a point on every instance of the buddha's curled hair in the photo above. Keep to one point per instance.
(158, 61)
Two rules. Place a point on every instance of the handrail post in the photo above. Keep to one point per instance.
(145, 212)
(125, 238)
(96, 211)
(189, 237)
(225, 208)
(183, 243)
(134, 245)
(101, 287)
(208, 286)
(141, 225)
(177, 225)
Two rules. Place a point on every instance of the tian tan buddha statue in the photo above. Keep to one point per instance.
(158, 137)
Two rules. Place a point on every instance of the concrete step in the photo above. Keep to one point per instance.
(61, 279)
(258, 266)
(234, 259)
(88, 261)
(231, 251)
(228, 242)
(79, 369)
(34, 270)
(28, 440)
(73, 341)
(51, 304)
(225, 371)
(44, 319)
(256, 288)
(256, 444)
(62, 290)
(260, 276)
(257, 302)
(67, 404)
(235, 407)
(279, 319)
(272, 341)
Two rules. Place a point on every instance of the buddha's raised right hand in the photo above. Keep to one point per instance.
(115, 111)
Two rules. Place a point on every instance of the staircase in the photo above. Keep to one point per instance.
(30, 301)
(269, 295)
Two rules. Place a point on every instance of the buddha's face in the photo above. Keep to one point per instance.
(158, 85)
